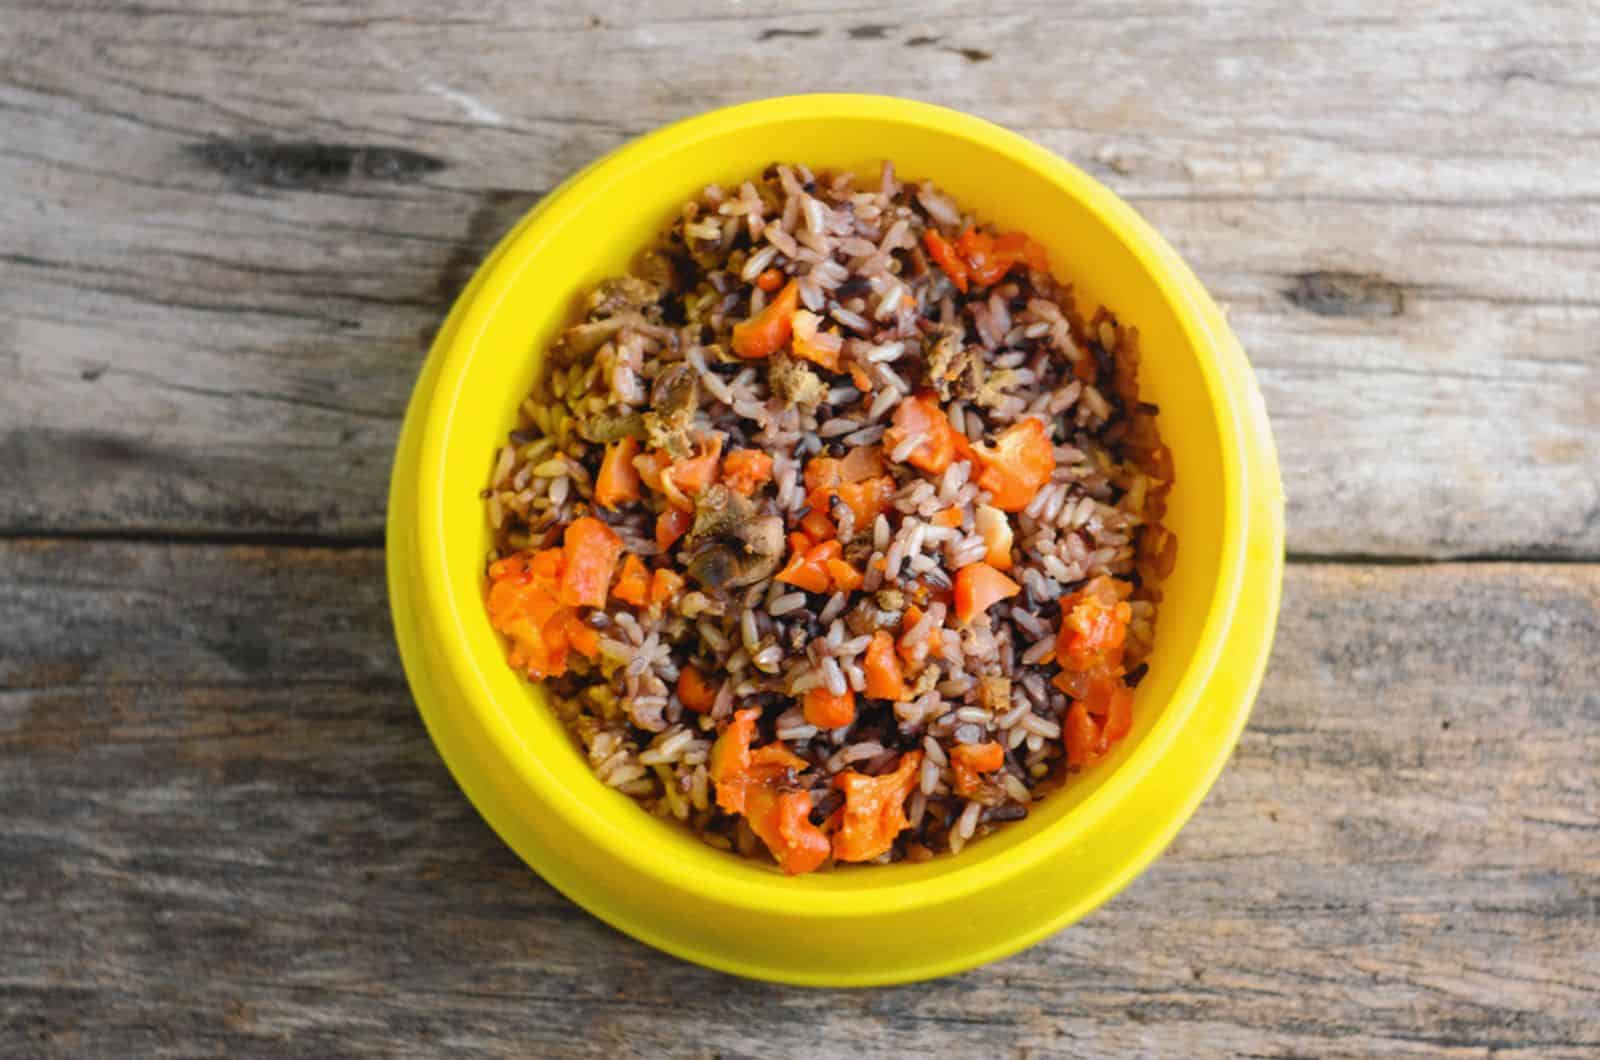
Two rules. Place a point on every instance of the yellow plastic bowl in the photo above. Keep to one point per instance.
(865, 924)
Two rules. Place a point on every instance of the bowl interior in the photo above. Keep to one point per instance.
(596, 228)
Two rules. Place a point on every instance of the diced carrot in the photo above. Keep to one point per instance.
(921, 417)
(730, 759)
(782, 821)
(818, 526)
(618, 481)
(858, 480)
(765, 333)
(933, 645)
(846, 579)
(633, 584)
(950, 517)
(1094, 625)
(807, 326)
(858, 465)
(1017, 465)
(874, 809)
(650, 467)
(868, 498)
(582, 636)
(748, 782)
(884, 680)
(699, 471)
(590, 550)
(989, 257)
(995, 529)
(979, 587)
(665, 585)
(800, 542)
(695, 691)
(770, 280)
(828, 711)
(944, 256)
(523, 605)
(803, 845)
(1090, 733)
(804, 574)
(745, 470)
(1119, 713)
(968, 761)
(1082, 736)
(671, 525)
(821, 552)
(977, 250)
(859, 376)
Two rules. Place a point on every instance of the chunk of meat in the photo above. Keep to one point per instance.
(621, 294)
(794, 384)
(673, 398)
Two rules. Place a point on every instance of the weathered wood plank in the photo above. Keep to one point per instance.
(226, 833)
(231, 228)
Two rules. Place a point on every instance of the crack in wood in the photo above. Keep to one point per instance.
(307, 165)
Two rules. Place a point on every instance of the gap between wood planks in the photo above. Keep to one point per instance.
(359, 540)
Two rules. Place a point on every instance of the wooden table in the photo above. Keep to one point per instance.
(228, 230)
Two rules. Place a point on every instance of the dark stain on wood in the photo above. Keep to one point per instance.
(868, 32)
(93, 373)
(1336, 293)
(922, 42)
(971, 55)
(307, 165)
(780, 33)
(500, 209)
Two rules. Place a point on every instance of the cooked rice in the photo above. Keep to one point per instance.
(855, 250)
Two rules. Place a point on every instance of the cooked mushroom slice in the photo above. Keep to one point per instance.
(733, 547)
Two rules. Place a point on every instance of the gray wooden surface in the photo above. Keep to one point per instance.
(228, 231)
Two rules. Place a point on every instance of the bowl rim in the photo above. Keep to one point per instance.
(447, 606)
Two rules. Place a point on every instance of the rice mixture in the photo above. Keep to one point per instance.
(833, 530)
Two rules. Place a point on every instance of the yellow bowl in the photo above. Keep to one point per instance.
(865, 924)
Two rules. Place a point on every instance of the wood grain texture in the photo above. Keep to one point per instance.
(227, 834)
(231, 227)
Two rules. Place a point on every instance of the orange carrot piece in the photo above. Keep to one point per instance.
(695, 691)
(1017, 465)
(906, 647)
(765, 333)
(665, 585)
(884, 680)
(807, 326)
(670, 526)
(874, 809)
(828, 711)
(745, 470)
(979, 587)
(921, 416)
(818, 526)
(633, 584)
(590, 549)
(950, 517)
(968, 761)
(696, 473)
(845, 578)
(618, 481)
(730, 759)
(1094, 625)
(770, 280)
(944, 256)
